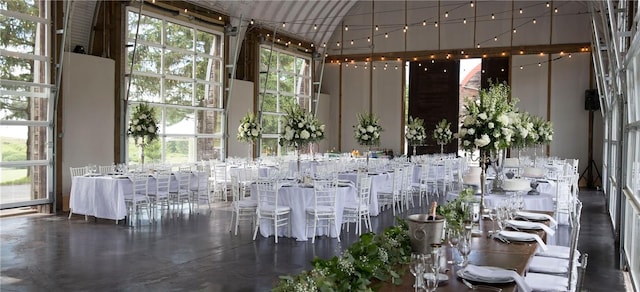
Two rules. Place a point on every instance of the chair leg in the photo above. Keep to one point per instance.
(255, 232)
(275, 227)
(233, 212)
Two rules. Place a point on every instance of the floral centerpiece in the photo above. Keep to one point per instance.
(456, 210)
(301, 128)
(415, 132)
(488, 128)
(143, 127)
(367, 131)
(442, 134)
(522, 130)
(543, 133)
(249, 130)
(372, 257)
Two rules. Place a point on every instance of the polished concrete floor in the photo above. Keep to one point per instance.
(195, 252)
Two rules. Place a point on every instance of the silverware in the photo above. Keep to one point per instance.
(480, 287)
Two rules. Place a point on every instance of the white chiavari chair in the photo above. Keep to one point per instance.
(138, 199)
(323, 213)
(242, 208)
(360, 211)
(269, 207)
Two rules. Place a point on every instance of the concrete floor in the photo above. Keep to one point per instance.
(195, 252)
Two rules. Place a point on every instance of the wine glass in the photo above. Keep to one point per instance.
(417, 267)
(432, 268)
(464, 246)
(453, 236)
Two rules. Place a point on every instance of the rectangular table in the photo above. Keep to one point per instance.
(485, 252)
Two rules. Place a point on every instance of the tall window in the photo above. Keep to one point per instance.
(284, 78)
(26, 109)
(177, 69)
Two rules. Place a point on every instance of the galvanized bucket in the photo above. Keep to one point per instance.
(424, 232)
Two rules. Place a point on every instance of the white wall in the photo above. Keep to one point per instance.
(87, 112)
(240, 102)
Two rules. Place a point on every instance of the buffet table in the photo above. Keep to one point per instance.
(298, 198)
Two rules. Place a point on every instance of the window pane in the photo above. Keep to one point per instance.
(179, 36)
(18, 69)
(152, 153)
(150, 28)
(273, 81)
(23, 143)
(304, 86)
(178, 92)
(209, 122)
(270, 124)
(21, 36)
(269, 147)
(20, 184)
(25, 7)
(287, 63)
(269, 103)
(207, 69)
(205, 43)
(265, 62)
(180, 121)
(285, 100)
(208, 148)
(148, 59)
(145, 88)
(286, 82)
(178, 64)
(303, 67)
(208, 95)
(177, 149)
(17, 107)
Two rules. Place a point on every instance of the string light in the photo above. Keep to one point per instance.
(445, 70)
(436, 24)
(405, 28)
(471, 4)
(315, 27)
(368, 39)
(338, 44)
(446, 14)
(424, 23)
(495, 38)
(521, 52)
(520, 10)
(346, 28)
(284, 24)
(185, 10)
(324, 45)
(539, 64)
(376, 28)
(462, 52)
(219, 17)
(569, 55)
(464, 20)
(555, 10)
(478, 45)
(493, 16)
(251, 22)
(386, 35)
(396, 68)
(503, 53)
(351, 42)
(548, 4)
(534, 21)
(521, 67)
(514, 30)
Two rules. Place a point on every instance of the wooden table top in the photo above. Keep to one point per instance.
(485, 251)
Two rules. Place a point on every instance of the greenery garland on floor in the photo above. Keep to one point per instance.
(372, 257)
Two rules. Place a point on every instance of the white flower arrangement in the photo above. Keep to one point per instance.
(486, 123)
(416, 132)
(301, 128)
(523, 131)
(143, 126)
(442, 133)
(367, 131)
(249, 130)
(544, 130)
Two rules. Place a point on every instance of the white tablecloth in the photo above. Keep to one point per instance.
(103, 196)
(298, 199)
(379, 182)
(542, 202)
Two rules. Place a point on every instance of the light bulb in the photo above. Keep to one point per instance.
(520, 10)
(493, 16)
(284, 24)
(424, 23)
(346, 27)
(315, 26)
(436, 24)
(534, 21)
(471, 4)
(446, 14)
(464, 20)
(386, 35)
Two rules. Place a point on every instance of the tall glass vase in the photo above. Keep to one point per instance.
(142, 155)
(483, 181)
(497, 160)
(414, 150)
(441, 148)
(368, 154)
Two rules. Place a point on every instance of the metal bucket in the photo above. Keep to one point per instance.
(423, 232)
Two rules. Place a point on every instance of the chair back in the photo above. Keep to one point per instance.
(183, 176)
(78, 171)
(325, 192)
(364, 191)
(163, 180)
(575, 234)
(105, 169)
(267, 193)
(235, 188)
(140, 183)
(397, 180)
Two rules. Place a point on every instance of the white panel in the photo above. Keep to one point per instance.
(421, 37)
(355, 99)
(331, 86)
(571, 23)
(488, 28)
(87, 112)
(529, 84)
(527, 32)
(390, 17)
(240, 102)
(387, 104)
(324, 115)
(454, 26)
(570, 78)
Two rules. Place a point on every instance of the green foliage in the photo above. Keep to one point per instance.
(367, 131)
(14, 149)
(442, 133)
(249, 130)
(372, 257)
(415, 131)
(143, 126)
(454, 212)
(301, 127)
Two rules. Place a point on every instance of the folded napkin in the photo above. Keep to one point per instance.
(522, 236)
(531, 225)
(492, 274)
(537, 216)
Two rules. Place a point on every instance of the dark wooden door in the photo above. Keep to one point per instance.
(494, 69)
(433, 96)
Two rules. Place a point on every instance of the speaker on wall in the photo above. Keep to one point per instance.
(591, 102)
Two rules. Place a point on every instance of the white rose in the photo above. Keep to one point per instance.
(503, 119)
(469, 120)
(151, 129)
(319, 133)
(370, 129)
(483, 141)
(466, 143)
(313, 128)
(254, 132)
(363, 130)
(143, 116)
(471, 131)
(364, 137)
(322, 128)
(135, 121)
(304, 134)
(300, 125)
(490, 125)
(246, 126)
(463, 131)
(288, 136)
(240, 128)
(482, 116)
(297, 136)
(376, 135)
(138, 128)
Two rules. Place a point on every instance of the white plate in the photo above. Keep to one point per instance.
(462, 275)
(441, 277)
(517, 236)
(531, 216)
(524, 224)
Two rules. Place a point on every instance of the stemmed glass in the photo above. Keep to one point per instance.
(453, 236)
(432, 268)
(464, 246)
(417, 268)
